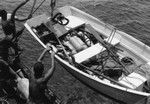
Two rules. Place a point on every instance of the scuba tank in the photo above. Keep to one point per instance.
(87, 41)
(68, 44)
(77, 43)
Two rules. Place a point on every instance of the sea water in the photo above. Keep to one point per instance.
(130, 16)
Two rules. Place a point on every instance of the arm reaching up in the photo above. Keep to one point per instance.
(48, 74)
(42, 55)
(44, 52)
(51, 70)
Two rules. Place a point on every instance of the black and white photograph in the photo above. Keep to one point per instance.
(74, 51)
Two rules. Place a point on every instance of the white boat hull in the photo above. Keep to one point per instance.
(121, 94)
(138, 49)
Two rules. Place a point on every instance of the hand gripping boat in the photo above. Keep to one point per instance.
(99, 55)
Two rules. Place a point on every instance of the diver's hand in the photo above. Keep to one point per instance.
(49, 47)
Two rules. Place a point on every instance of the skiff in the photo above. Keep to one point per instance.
(96, 53)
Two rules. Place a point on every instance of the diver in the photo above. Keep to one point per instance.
(9, 41)
(5, 44)
(8, 25)
(38, 81)
(8, 82)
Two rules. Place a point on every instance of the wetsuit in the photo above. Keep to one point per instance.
(7, 81)
(8, 25)
(5, 44)
(6, 78)
(9, 28)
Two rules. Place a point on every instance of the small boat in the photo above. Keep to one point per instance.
(102, 57)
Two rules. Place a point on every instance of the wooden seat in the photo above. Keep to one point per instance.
(133, 81)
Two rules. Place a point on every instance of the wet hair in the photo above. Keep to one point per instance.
(38, 69)
(3, 14)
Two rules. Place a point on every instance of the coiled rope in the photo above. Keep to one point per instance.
(32, 11)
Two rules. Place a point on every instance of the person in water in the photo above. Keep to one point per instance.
(38, 81)
(8, 81)
(5, 44)
(9, 29)
(8, 25)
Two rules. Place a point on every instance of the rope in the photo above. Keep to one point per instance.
(33, 6)
(29, 16)
(31, 12)
(38, 7)
(52, 5)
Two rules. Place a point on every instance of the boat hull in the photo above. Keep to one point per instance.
(119, 93)
(124, 95)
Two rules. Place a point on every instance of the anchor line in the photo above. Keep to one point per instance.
(32, 11)
(52, 5)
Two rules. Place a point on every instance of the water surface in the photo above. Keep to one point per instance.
(130, 16)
